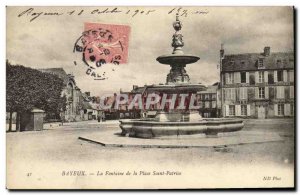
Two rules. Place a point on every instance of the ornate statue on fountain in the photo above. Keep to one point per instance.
(177, 41)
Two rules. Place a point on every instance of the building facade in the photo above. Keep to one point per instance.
(257, 85)
(208, 102)
(80, 106)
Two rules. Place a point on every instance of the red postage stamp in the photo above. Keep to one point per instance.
(102, 44)
(106, 43)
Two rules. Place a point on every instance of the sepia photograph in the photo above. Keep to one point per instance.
(150, 97)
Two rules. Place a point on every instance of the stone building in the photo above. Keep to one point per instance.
(72, 92)
(257, 85)
(208, 101)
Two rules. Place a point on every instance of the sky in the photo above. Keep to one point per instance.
(47, 41)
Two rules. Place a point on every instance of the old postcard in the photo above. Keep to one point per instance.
(150, 97)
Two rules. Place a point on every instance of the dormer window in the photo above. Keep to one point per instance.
(232, 62)
(243, 62)
(284, 61)
(278, 61)
(260, 63)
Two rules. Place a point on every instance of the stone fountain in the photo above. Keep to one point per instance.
(180, 121)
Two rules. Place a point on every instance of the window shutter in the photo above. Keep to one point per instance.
(237, 77)
(234, 94)
(256, 76)
(287, 110)
(237, 110)
(291, 75)
(278, 92)
(291, 92)
(267, 92)
(266, 76)
(275, 76)
(247, 77)
(241, 94)
(256, 93)
(226, 110)
(226, 78)
(248, 110)
(284, 76)
(276, 109)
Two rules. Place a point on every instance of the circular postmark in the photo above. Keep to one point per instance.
(102, 45)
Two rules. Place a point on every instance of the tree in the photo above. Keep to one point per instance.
(27, 88)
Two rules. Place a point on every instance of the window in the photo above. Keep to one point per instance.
(260, 62)
(243, 93)
(252, 79)
(271, 78)
(206, 114)
(232, 62)
(280, 75)
(280, 92)
(261, 77)
(261, 92)
(243, 62)
(213, 104)
(201, 104)
(231, 110)
(198, 97)
(284, 61)
(280, 109)
(243, 77)
(206, 97)
(230, 94)
(213, 96)
(207, 104)
(244, 110)
(278, 61)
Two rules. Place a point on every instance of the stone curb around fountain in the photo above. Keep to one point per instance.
(108, 139)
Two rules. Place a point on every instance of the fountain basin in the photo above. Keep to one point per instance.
(177, 59)
(149, 128)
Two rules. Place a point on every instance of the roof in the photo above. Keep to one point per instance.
(60, 72)
(249, 61)
(183, 88)
(86, 105)
(210, 89)
(139, 89)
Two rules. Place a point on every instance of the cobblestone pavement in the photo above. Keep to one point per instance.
(45, 154)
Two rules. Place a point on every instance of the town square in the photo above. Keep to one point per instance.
(151, 98)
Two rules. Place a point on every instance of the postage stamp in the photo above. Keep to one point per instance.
(102, 44)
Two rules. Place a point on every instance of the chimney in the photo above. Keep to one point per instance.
(134, 87)
(222, 51)
(267, 51)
